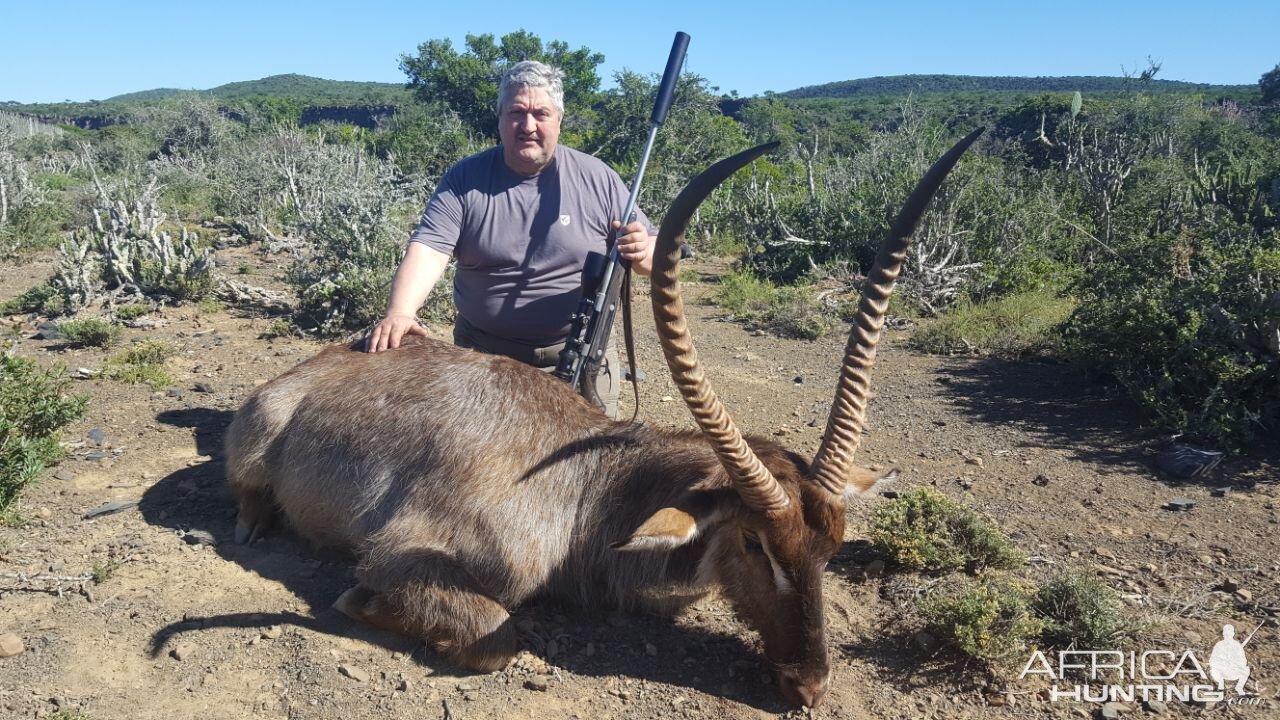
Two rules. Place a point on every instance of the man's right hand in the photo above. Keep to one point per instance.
(387, 333)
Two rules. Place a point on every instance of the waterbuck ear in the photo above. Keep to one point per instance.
(867, 483)
(672, 527)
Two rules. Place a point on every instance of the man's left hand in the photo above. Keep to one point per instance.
(636, 246)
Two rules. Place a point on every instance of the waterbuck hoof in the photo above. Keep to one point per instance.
(247, 532)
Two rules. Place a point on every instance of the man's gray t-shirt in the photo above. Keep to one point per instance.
(521, 242)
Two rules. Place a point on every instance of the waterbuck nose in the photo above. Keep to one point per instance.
(797, 690)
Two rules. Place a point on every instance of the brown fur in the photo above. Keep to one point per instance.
(466, 484)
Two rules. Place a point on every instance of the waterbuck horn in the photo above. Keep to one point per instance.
(752, 479)
(849, 409)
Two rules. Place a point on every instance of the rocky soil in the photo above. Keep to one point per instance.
(158, 614)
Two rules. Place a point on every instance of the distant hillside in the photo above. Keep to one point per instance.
(300, 87)
(146, 96)
(924, 84)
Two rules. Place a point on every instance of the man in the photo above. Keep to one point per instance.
(520, 218)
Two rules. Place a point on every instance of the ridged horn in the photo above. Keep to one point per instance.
(753, 481)
(849, 409)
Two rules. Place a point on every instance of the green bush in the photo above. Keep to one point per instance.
(133, 311)
(1011, 326)
(926, 530)
(1079, 611)
(989, 620)
(787, 311)
(34, 406)
(89, 332)
(39, 299)
(1189, 325)
(143, 362)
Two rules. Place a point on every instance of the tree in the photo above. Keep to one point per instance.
(467, 82)
(1269, 83)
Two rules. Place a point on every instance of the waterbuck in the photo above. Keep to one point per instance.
(466, 484)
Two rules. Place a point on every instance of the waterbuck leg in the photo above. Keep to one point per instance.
(257, 513)
(425, 595)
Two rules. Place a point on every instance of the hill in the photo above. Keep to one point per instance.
(928, 84)
(300, 87)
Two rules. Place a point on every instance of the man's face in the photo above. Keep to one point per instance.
(529, 127)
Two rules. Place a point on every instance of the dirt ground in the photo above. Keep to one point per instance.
(187, 624)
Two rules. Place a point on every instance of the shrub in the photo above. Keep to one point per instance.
(787, 311)
(988, 620)
(143, 362)
(89, 332)
(926, 530)
(39, 299)
(34, 406)
(1010, 326)
(1079, 611)
(1189, 325)
(132, 311)
(125, 256)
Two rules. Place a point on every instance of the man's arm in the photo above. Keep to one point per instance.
(419, 272)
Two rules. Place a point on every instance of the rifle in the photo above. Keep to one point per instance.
(603, 278)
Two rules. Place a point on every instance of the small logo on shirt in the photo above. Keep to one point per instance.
(564, 219)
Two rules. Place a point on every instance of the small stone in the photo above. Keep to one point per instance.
(1244, 595)
(354, 673)
(997, 699)
(1229, 585)
(1104, 553)
(65, 475)
(467, 687)
(650, 649)
(1181, 504)
(44, 513)
(1041, 480)
(97, 437)
(975, 461)
(667, 399)
(538, 683)
(47, 330)
(1113, 710)
(181, 652)
(200, 537)
(403, 686)
(926, 642)
(11, 645)
(174, 393)
(203, 387)
(1155, 707)
(1220, 492)
(108, 508)
(272, 632)
(874, 569)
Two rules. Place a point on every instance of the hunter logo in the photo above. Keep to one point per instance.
(1162, 675)
(564, 219)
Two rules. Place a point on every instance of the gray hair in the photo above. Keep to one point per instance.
(532, 74)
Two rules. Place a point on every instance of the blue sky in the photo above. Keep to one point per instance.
(92, 50)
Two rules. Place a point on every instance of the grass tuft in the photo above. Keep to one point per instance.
(1010, 326)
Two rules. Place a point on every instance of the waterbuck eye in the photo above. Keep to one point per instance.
(752, 542)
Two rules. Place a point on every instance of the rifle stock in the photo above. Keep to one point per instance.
(591, 325)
